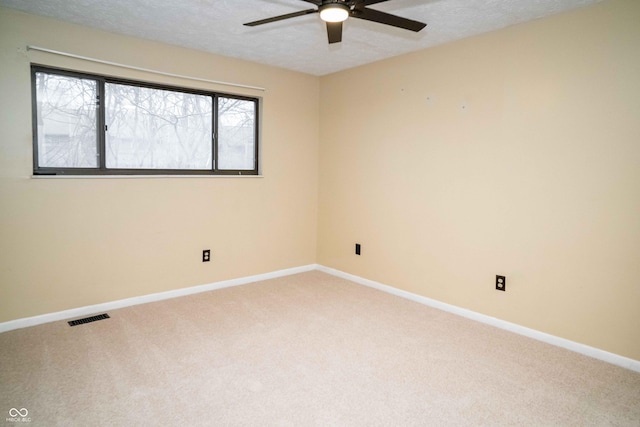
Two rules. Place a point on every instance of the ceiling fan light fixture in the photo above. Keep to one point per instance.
(334, 12)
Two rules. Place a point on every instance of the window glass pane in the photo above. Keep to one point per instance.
(157, 129)
(66, 109)
(236, 134)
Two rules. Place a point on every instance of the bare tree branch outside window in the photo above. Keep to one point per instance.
(157, 129)
(236, 133)
(66, 115)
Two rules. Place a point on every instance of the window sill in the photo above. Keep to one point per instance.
(140, 176)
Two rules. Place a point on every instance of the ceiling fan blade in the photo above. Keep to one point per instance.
(319, 2)
(370, 2)
(334, 32)
(281, 17)
(388, 19)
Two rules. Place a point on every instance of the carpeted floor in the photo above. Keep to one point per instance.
(308, 349)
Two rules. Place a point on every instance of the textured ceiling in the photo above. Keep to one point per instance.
(299, 43)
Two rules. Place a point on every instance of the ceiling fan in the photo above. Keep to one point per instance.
(335, 12)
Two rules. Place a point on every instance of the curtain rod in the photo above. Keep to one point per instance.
(131, 67)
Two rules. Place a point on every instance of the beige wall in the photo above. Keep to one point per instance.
(515, 152)
(67, 243)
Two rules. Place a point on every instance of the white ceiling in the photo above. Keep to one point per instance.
(299, 43)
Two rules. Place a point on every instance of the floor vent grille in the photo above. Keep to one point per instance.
(88, 319)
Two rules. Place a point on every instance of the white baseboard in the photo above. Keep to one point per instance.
(93, 309)
(586, 350)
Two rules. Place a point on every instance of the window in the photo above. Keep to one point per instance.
(89, 124)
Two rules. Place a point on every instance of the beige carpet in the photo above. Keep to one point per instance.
(308, 349)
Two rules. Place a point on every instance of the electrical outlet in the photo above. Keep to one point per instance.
(206, 255)
(501, 283)
(357, 248)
